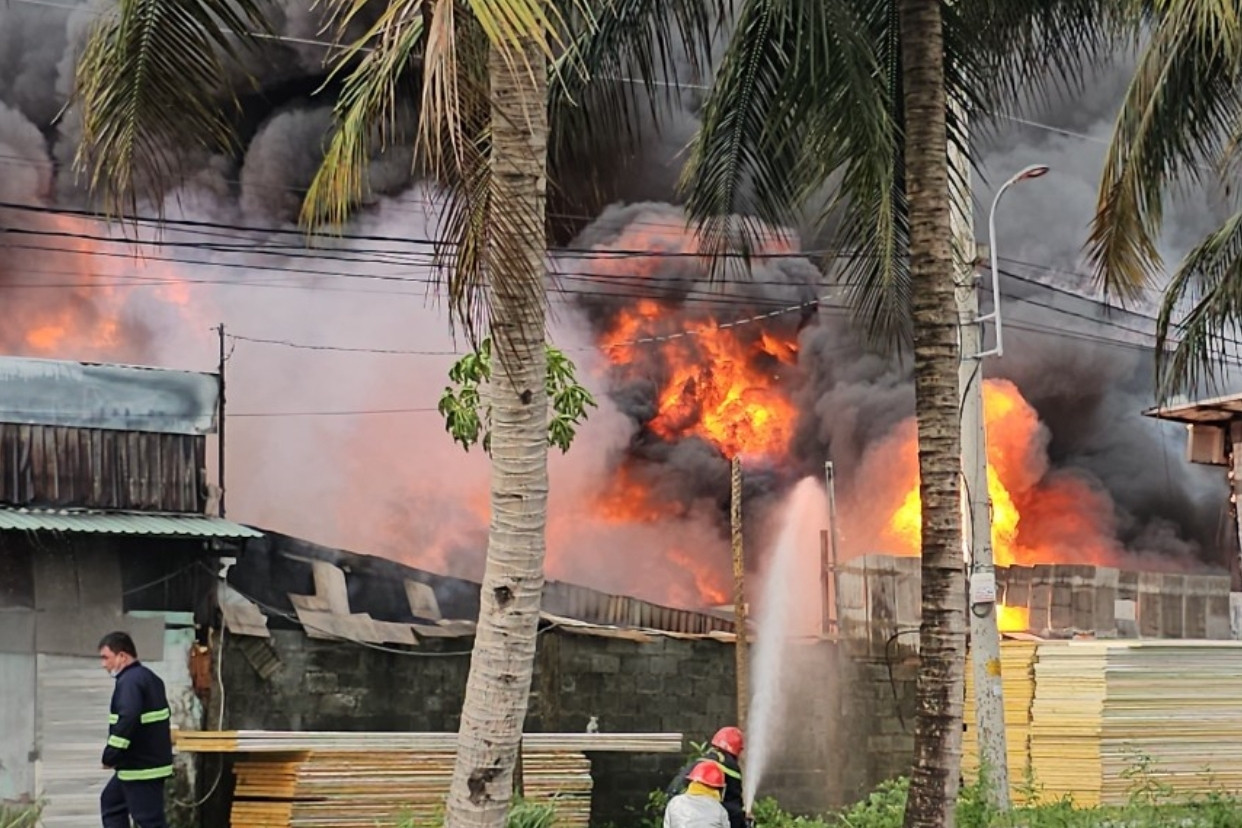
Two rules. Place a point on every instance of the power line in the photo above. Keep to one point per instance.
(343, 349)
(434, 244)
(305, 41)
(339, 413)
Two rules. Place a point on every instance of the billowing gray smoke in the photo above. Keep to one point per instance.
(375, 483)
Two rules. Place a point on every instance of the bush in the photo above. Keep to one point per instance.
(1150, 806)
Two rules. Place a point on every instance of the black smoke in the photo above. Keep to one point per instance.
(1090, 389)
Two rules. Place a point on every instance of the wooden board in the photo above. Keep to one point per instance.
(258, 741)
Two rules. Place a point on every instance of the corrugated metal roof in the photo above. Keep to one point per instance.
(123, 523)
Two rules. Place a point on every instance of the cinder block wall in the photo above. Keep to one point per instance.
(835, 705)
(879, 599)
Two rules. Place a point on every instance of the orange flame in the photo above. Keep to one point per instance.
(85, 318)
(717, 385)
(1036, 517)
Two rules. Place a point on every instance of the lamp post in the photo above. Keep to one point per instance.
(984, 634)
(1033, 171)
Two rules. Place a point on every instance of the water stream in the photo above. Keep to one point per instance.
(790, 582)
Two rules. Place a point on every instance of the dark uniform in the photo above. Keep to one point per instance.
(139, 750)
(732, 799)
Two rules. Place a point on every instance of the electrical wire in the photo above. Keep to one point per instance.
(219, 722)
(433, 244)
(336, 348)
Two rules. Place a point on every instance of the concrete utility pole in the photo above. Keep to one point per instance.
(984, 635)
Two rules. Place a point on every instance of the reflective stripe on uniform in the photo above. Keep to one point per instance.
(728, 771)
(152, 716)
(113, 718)
(119, 742)
(145, 774)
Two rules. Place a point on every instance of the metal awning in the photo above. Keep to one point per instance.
(122, 523)
(1213, 411)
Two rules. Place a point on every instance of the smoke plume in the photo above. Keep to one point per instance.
(343, 446)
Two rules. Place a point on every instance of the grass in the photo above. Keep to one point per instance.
(20, 815)
(522, 814)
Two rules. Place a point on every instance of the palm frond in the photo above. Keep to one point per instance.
(461, 257)
(798, 89)
(1194, 351)
(1180, 111)
(618, 53)
(1013, 49)
(376, 67)
(151, 84)
(870, 203)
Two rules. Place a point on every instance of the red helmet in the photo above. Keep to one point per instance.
(707, 773)
(729, 739)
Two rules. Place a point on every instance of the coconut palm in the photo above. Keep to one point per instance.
(1180, 122)
(150, 84)
(853, 97)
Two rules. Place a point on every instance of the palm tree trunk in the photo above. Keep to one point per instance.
(938, 724)
(504, 650)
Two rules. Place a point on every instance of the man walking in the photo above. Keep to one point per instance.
(139, 747)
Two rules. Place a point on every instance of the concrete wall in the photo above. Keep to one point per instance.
(835, 705)
(878, 596)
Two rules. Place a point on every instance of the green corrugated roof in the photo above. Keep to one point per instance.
(123, 523)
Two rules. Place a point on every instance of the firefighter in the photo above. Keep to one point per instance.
(139, 749)
(699, 806)
(726, 748)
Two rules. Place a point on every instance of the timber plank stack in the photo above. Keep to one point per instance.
(1104, 708)
(354, 789)
(370, 780)
(1018, 686)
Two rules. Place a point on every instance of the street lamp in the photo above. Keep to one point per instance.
(1033, 171)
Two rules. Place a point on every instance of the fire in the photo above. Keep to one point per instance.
(1037, 516)
(86, 317)
(715, 383)
(1013, 619)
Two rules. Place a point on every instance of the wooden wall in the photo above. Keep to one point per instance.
(54, 466)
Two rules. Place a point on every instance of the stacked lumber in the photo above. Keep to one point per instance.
(258, 741)
(353, 789)
(1018, 686)
(1169, 710)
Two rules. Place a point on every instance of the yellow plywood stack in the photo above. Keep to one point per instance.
(354, 789)
(1103, 709)
(1018, 686)
(1065, 720)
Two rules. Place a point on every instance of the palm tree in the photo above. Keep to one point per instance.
(854, 95)
(1179, 123)
(150, 85)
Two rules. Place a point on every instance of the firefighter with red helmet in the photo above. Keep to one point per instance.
(699, 805)
(725, 751)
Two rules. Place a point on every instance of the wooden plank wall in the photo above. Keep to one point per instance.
(54, 466)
